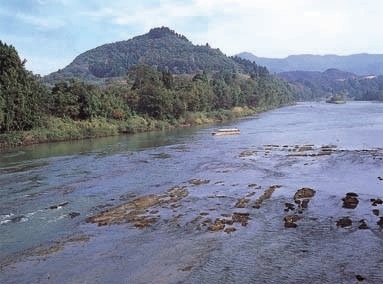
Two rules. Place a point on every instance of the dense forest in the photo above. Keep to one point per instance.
(160, 47)
(312, 85)
(145, 98)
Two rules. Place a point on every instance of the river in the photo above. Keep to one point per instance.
(188, 207)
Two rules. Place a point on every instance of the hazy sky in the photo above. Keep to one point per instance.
(51, 33)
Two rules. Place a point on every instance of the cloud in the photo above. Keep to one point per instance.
(41, 22)
(273, 28)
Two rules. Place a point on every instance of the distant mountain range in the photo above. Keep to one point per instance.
(315, 85)
(359, 64)
(160, 47)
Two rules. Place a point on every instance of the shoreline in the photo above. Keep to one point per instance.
(60, 130)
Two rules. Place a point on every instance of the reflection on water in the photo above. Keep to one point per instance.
(215, 233)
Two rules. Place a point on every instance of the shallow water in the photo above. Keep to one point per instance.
(41, 187)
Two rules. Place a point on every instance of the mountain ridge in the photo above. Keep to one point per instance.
(359, 64)
(161, 47)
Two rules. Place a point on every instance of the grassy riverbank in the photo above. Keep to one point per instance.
(63, 129)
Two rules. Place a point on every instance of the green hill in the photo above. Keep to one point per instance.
(314, 85)
(161, 47)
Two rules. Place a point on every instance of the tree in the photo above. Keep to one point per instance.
(22, 96)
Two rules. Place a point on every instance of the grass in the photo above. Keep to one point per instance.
(62, 129)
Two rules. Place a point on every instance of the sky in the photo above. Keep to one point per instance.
(51, 33)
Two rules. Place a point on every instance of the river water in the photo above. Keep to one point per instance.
(48, 192)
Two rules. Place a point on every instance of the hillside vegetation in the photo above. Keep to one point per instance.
(161, 48)
(312, 85)
(145, 98)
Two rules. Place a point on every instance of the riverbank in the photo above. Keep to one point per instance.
(64, 129)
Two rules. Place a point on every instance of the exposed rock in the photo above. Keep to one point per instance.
(305, 148)
(228, 221)
(242, 203)
(332, 147)
(350, 201)
(134, 211)
(18, 219)
(177, 193)
(266, 195)
(73, 214)
(344, 222)
(290, 221)
(198, 181)
(289, 206)
(363, 225)
(375, 212)
(246, 153)
(254, 185)
(376, 201)
(322, 153)
(230, 230)
(241, 218)
(144, 221)
(305, 203)
(291, 218)
(359, 277)
(380, 222)
(290, 225)
(304, 192)
(218, 225)
(58, 205)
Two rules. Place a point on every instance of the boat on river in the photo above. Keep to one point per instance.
(226, 131)
(336, 100)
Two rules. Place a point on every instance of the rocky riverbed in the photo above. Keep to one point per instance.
(293, 199)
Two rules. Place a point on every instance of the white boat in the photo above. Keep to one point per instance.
(226, 131)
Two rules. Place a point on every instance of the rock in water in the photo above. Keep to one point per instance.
(304, 192)
(350, 201)
(344, 222)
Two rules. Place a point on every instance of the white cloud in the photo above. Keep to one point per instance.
(41, 22)
(280, 28)
(273, 28)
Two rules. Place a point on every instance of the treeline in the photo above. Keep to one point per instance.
(318, 85)
(25, 103)
(361, 89)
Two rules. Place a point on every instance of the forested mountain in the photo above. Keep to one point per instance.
(147, 97)
(161, 48)
(360, 64)
(314, 85)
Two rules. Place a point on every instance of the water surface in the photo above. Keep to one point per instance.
(48, 191)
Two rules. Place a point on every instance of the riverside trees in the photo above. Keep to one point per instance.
(148, 92)
(22, 97)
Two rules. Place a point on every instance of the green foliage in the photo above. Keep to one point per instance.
(161, 48)
(147, 99)
(319, 85)
(22, 96)
(251, 67)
